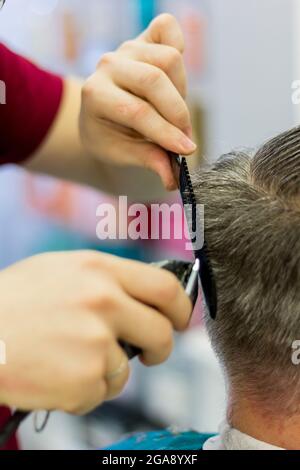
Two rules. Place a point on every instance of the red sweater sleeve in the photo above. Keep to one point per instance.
(30, 98)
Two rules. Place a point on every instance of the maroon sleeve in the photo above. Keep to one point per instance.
(30, 98)
(12, 444)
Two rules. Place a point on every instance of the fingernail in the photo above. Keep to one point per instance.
(189, 132)
(187, 145)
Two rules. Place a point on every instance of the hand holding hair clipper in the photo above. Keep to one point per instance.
(186, 273)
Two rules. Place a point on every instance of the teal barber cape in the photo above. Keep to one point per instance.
(163, 440)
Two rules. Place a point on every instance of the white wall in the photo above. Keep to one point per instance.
(252, 70)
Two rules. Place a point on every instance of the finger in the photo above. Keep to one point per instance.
(156, 159)
(135, 151)
(155, 287)
(96, 395)
(165, 29)
(166, 58)
(145, 154)
(117, 372)
(122, 107)
(144, 328)
(151, 83)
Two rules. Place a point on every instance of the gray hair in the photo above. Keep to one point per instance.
(252, 227)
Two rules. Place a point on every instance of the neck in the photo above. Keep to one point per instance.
(250, 419)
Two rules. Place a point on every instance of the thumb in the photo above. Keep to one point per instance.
(166, 30)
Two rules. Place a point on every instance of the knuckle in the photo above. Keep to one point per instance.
(107, 303)
(134, 111)
(94, 333)
(106, 59)
(88, 89)
(151, 77)
(89, 259)
(97, 335)
(173, 58)
(101, 307)
(128, 45)
(105, 341)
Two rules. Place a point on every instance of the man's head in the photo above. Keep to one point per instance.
(252, 226)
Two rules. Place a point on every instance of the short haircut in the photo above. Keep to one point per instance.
(252, 227)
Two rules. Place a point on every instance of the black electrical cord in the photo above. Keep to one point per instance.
(13, 423)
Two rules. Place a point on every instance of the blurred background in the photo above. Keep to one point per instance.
(242, 58)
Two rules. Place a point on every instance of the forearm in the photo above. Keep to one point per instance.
(63, 156)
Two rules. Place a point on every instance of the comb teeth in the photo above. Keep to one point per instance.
(206, 270)
(189, 182)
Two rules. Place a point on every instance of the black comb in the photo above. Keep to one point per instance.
(185, 186)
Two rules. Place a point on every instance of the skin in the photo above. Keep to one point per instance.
(132, 110)
(62, 330)
(61, 315)
(250, 418)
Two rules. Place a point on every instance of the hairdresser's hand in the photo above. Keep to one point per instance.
(61, 316)
(133, 107)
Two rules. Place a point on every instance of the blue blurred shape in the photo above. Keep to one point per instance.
(147, 11)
